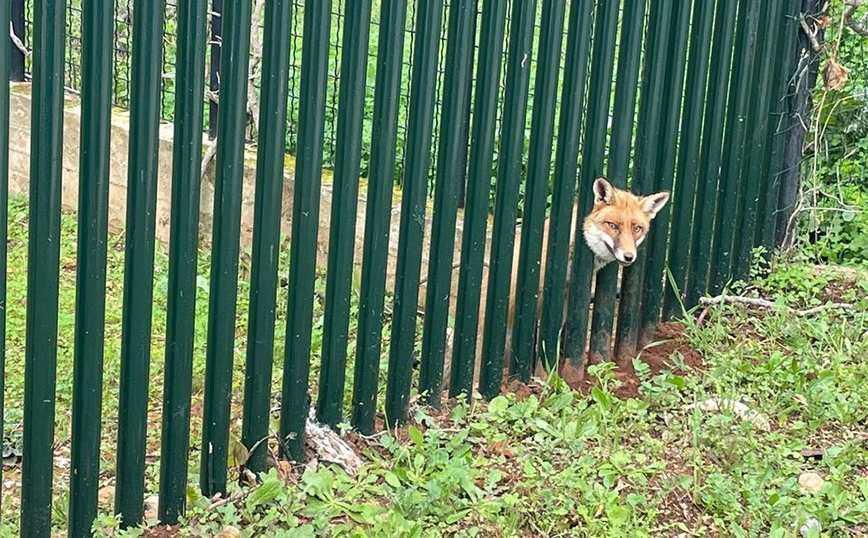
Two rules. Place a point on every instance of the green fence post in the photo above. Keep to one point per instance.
(354, 60)
(644, 168)
(756, 149)
(148, 16)
(43, 267)
(375, 252)
(478, 186)
(268, 206)
(626, 88)
(509, 163)
(593, 155)
(684, 194)
(536, 190)
(5, 71)
(183, 253)
(733, 151)
(711, 150)
(97, 30)
(783, 121)
(565, 172)
(757, 141)
(668, 141)
(305, 227)
(417, 158)
(451, 169)
(222, 297)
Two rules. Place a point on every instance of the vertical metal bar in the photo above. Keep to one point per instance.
(16, 68)
(478, 186)
(417, 164)
(506, 201)
(710, 153)
(451, 169)
(757, 146)
(593, 155)
(267, 210)
(148, 16)
(733, 152)
(97, 32)
(214, 70)
(684, 194)
(183, 253)
(626, 88)
(565, 173)
(782, 122)
(644, 168)
(228, 178)
(375, 252)
(536, 189)
(345, 200)
(5, 69)
(43, 267)
(305, 226)
(667, 147)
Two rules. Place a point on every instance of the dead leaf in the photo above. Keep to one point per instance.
(501, 448)
(286, 472)
(835, 75)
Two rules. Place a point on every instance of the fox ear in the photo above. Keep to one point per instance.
(603, 191)
(653, 203)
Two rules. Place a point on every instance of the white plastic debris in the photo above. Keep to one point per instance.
(743, 412)
(811, 523)
(329, 446)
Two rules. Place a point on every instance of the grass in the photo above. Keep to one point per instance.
(549, 462)
(14, 366)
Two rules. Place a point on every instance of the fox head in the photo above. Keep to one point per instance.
(619, 222)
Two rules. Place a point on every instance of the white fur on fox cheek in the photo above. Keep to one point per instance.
(599, 243)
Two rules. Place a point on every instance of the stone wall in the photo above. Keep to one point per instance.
(20, 106)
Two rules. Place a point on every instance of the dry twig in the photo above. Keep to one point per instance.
(17, 41)
(858, 26)
(764, 303)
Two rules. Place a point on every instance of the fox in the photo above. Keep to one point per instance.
(616, 226)
(619, 223)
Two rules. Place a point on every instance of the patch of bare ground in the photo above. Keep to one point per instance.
(668, 340)
(161, 532)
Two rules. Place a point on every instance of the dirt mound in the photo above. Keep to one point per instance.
(668, 340)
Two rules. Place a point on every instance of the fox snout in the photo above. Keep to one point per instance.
(625, 258)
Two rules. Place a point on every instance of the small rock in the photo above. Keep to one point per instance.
(229, 532)
(152, 505)
(106, 494)
(811, 523)
(740, 410)
(811, 483)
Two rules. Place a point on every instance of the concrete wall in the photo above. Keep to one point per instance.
(20, 105)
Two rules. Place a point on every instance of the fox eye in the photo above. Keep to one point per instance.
(637, 229)
(612, 225)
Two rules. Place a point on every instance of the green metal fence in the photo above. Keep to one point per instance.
(690, 97)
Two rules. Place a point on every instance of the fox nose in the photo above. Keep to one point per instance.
(629, 257)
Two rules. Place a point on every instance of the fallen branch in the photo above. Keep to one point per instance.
(764, 303)
(17, 41)
(209, 155)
